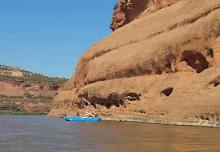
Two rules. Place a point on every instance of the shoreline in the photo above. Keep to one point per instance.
(15, 112)
(200, 123)
(197, 123)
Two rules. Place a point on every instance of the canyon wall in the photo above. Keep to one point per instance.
(126, 11)
(163, 66)
(24, 91)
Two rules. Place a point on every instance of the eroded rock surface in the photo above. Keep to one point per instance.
(126, 11)
(164, 66)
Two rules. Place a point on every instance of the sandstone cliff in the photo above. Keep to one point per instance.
(126, 11)
(163, 66)
(26, 91)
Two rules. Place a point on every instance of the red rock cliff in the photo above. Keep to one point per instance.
(126, 11)
(163, 66)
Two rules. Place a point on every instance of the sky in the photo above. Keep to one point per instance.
(48, 36)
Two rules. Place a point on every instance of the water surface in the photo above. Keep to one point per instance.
(42, 134)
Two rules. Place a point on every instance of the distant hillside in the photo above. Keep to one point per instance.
(23, 90)
(12, 74)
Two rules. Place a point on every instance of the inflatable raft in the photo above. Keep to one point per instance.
(82, 119)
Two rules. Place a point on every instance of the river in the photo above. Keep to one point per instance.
(43, 134)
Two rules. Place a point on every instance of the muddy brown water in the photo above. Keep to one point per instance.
(43, 134)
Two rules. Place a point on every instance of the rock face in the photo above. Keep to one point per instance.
(163, 66)
(26, 91)
(126, 11)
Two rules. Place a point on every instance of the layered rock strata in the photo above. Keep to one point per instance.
(26, 91)
(126, 11)
(162, 66)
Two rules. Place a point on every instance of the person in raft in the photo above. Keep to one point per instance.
(96, 116)
(89, 115)
(78, 114)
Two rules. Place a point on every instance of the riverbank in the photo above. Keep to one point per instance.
(15, 112)
(198, 123)
(141, 118)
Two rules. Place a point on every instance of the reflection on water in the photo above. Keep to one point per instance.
(42, 134)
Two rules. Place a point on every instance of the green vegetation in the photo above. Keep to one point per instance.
(40, 97)
(41, 79)
(26, 97)
(18, 112)
(38, 90)
(29, 78)
(37, 79)
(7, 68)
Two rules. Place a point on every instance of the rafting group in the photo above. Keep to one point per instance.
(89, 117)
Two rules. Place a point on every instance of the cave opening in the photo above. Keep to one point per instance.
(167, 92)
(196, 60)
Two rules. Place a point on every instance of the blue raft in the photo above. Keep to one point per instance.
(82, 119)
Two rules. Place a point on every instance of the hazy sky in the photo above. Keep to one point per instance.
(48, 36)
